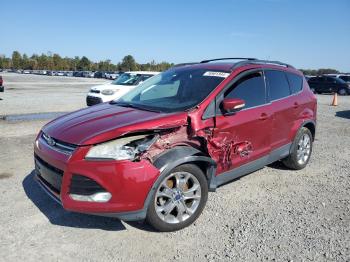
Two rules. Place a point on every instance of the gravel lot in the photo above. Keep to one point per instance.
(272, 214)
(36, 94)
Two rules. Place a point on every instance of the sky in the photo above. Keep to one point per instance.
(305, 33)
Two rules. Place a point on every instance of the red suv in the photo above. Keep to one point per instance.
(156, 152)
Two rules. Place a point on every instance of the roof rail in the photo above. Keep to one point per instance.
(257, 61)
(184, 64)
(229, 58)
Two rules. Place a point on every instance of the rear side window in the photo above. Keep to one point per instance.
(250, 88)
(345, 78)
(295, 82)
(278, 84)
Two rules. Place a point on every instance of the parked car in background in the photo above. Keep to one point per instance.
(2, 89)
(156, 152)
(68, 73)
(77, 73)
(345, 77)
(329, 84)
(123, 84)
(111, 75)
(99, 74)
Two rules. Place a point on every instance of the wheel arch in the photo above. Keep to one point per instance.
(176, 156)
(309, 124)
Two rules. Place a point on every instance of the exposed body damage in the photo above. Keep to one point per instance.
(223, 147)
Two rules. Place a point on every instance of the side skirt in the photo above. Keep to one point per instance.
(248, 168)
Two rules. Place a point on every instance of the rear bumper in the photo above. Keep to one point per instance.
(128, 182)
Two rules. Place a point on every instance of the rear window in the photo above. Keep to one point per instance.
(278, 84)
(295, 82)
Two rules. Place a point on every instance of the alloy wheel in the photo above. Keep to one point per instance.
(304, 149)
(177, 197)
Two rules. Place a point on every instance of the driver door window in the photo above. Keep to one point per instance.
(250, 88)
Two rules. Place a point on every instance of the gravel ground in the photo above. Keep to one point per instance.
(36, 93)
(272, 214)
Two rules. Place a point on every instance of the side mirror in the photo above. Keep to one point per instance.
(231, 105)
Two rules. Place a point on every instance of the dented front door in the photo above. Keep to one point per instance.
(241, 138)
(245, 135)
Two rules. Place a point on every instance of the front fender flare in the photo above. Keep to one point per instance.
(174, 157)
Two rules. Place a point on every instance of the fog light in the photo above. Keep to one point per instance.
(97, 197)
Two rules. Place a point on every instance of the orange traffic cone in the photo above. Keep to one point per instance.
(335, 100)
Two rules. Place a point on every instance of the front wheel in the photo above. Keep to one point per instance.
(300, 151)
(179, 199)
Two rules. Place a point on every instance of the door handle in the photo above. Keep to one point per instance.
(295, 105)
(263, 116)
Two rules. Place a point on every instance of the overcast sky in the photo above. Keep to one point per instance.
(306, 34)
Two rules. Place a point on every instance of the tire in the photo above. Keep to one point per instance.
(342, 92)
(296, 160)
(183, 212)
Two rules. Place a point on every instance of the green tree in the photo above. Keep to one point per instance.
(84, 63)
(128, 64)
(57, 62)
(16, 60)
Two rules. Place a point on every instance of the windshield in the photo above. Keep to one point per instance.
(129, 79)
(177, 89)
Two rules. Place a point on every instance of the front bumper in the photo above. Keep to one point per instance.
(128, 182)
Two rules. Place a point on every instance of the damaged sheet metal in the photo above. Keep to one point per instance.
(223, 147)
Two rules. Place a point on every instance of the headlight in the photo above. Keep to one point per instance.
(125, 148)
(107, 92)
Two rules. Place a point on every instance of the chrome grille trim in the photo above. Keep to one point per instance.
(58, 145)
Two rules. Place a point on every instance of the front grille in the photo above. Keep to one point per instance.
(95, 91)
(82, 185)
(58, 145)
(48, 174)
(92, 100)
(48, 166)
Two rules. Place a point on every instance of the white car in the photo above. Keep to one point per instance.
(117, 88)
(111, 75)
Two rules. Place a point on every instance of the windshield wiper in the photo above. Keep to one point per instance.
(125, 104)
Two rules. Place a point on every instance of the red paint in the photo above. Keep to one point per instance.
(230, 140)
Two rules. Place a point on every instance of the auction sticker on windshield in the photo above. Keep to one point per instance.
(217, 74)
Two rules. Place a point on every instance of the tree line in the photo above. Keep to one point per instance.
(317, 72)
(55, 62)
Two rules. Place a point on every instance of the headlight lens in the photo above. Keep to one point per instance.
(107, 92)
(125, 148)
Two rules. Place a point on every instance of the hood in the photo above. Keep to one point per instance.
(109, 86)
(106, 121)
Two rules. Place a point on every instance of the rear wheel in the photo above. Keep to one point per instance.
(300, 151)
(179, 199)
(342, 92)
